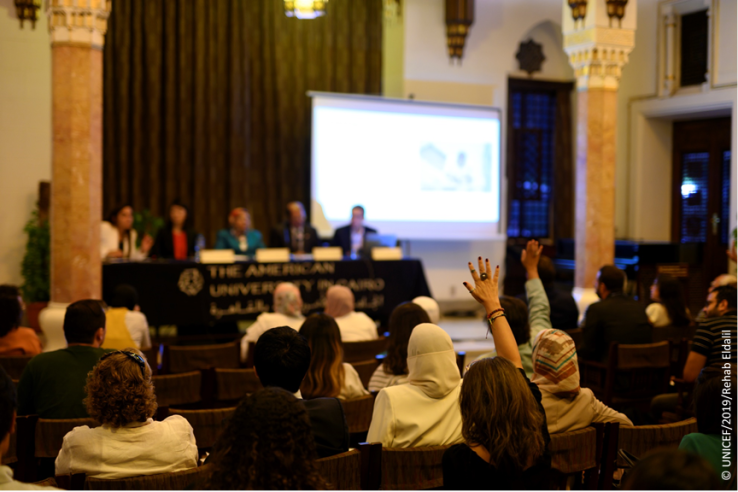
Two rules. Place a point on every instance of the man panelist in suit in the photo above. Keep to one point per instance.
(351, 238)
(294, 233)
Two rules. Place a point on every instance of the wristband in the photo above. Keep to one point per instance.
(498, 310)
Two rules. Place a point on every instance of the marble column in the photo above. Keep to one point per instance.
(77, 29)
(597, 52)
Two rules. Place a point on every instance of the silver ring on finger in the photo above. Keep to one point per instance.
(484, 276)
(472, 291)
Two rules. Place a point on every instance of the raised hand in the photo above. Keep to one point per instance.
(485, 290)
(529, 258)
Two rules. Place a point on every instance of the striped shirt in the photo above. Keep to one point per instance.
(716, 339)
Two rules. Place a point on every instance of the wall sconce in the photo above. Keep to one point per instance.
(305, 9)
(616, 8)
(28, 10)
(459, 18)
(578, 9)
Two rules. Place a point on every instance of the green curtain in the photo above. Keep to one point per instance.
(205, 101)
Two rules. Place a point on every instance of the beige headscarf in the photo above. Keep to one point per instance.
(431, 361)
(430, 306)
(339, 301)
(287, 300)
(555, 365)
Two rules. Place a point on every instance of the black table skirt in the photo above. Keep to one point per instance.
(185, 292)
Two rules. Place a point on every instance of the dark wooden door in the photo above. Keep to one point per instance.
(701, 190)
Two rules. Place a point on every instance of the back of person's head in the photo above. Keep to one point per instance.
(119, 389)
(516, 313)
(7, 290)
(671, 296)
(281, 358)
(325, 376)
(287, 300)
(403, 319)
(124, 296)
(711, 388)
(672, 469)
(612, 278)
(430, 306)
(82, 320)
(267, 445)
(728, 294)
(339, 301)
(10, 314)
(8, 403)
(546, 270)
(499, 412)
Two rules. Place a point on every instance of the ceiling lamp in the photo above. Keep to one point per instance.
(305, 9)
(459, 18)
(578, 9)
(616, 8)
(28, 10)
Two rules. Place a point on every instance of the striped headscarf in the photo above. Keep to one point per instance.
(555, 366)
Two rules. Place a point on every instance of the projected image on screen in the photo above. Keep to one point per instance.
(421, 170)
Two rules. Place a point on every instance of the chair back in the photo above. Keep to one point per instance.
(179, 359)
(647, 367)
(358, 413)
(177, 389)
(671, 333)
(192, 479)
(50, 434)
(577, 336)
(207, 424)
(366, 369)
(412, 468)
(643, 438)
(14, 365)
(361, 351)
(342, 471)
(153, 357)
(575, 451)
(234, 384)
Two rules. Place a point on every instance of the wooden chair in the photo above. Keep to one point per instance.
(192, 479)
(577, 336)
(576, 453)
(411, 468)
(358, 413)
(342, 471)
(14, 365)
(231, 385)
(179, 359)
(644, 369)
(643, 438)
(361, 351)
(207, 424)
(152, 357)
(366, 369)
(177, 389)
(672, 333)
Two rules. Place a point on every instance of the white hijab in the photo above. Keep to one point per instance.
(431, 361)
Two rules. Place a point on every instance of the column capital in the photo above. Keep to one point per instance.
(78, 22)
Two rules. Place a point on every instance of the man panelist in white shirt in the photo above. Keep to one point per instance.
(351, 238)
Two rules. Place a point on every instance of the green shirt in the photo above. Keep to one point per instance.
(52, 385)
(709, 446)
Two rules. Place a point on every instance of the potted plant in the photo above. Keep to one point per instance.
(144, 223)
(35, 268)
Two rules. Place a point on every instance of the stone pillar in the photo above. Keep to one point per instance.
(77, 29)
(597, 52)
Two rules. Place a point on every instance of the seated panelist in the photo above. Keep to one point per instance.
(295, 233)
(241, 238)
(176, 239)
(118, 238)
(351, 238)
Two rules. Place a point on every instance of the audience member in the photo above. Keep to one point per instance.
(118, 238)
(281, 359)
(616, 318)
(8, 405)
(176, 239)
(526, 321)
(354, 326)
(126, 325)
(425, 411)
(351, 238)
(295, 233)
(564, 311)
(430, 306)
(15, 340)
(672, 469)
(52, 385)
(287, 312)
(393, 370)
(556, 372)
(669, 307)
(120, 396)
(328, 376)
(714, 385)
(241, 238)
(266, 446)
(503, 422)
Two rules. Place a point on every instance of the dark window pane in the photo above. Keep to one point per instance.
(725, 199)
(694, 197)
(694, 48)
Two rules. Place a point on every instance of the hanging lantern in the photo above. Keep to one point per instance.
(616, 8)
(305, 9)
(578, 9)
(27, 10)
(459, 18)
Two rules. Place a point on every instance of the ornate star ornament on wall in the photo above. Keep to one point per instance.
(530, 56)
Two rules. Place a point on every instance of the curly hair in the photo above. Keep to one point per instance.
(118, 393)
(325, 376)
(403, 320)
(499, 412)
(268, 445)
